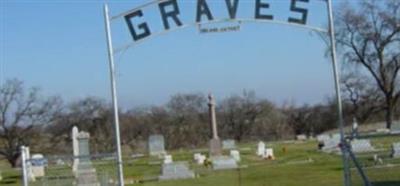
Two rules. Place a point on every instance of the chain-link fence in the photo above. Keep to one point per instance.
(96, 170)
(378, 155)
(293, 162)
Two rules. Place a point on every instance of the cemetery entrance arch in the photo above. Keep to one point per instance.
(170, 13)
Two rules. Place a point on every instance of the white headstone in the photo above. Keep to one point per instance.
(196, 156)
(301, 137)
(156, 145)
(260, 148)
(235, 154)
(361, 145)
(332, 144)
(167, 159)
(199, 158)
(75, 147)
(396, 150)
(322, 138)
(355, 125)
(38, 164)
(268, 154)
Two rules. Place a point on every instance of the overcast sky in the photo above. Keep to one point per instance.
(60, 46)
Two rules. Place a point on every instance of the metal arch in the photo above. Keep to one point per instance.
(330, 31)
(239, 20)
(135, 9)
(146, 5)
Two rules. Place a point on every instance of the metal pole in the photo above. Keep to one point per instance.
(114, 96)
(24, 171)
(345, 155)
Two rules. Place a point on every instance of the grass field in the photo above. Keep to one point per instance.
(300, 165)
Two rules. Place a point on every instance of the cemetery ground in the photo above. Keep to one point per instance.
(297, 163)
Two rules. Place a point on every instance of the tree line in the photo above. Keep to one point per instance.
(45, 123)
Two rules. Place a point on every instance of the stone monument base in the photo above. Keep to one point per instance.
(215, 147)
(224, 162)
(178, 170)
(86, 176)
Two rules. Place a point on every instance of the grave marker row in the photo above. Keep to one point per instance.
(265, 153)
(360, 146)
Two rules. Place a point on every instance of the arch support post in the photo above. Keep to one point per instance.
(343, 143)
(114, 97)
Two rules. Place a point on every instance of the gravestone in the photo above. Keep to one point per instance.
(336, 136)
(235, 154)
(199, 158)
(332, 144)
(322, 138)
(396, 150)
(176, 170)
(215, 142)
(156, 145)
(268, 154)
(228, 144)
(37, 165)
(60, 162)
(301, 137)
(362, 145)
(1, 177)
(75, 147)
(395, 128)
(167, 159)
(196, 156)
(383, 130)
(260, 148)
(354, 128)
(224, 162)
(85, 174)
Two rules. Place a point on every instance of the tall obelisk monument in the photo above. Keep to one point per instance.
(215, 142)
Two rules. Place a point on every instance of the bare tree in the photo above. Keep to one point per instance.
(187, 117)
(90, 114)
(238, 114)
(22, 114)
(370, 36)
(364, 99)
